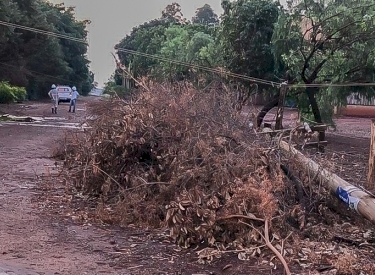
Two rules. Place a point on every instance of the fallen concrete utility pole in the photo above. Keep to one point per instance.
(354, 197)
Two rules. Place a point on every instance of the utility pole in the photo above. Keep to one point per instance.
(123, 79)
(280, 109)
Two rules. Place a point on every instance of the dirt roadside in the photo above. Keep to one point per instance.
(348, 147)
(41, 234)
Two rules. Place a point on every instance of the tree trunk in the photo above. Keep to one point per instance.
(268, 107)
(311, 91)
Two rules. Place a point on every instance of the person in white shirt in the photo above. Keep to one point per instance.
(73, 99)
(54, 95)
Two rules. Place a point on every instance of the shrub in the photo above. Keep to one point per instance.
(10, 93)
(19, 93)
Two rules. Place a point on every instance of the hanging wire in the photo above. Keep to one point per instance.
(324, 85)
(213, 70)
(49, 33)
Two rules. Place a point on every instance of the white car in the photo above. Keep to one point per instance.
(64, 93)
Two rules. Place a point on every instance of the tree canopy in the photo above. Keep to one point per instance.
(327, 42)
(246, 32)
(34, 60)
(205, 15)
(172, 13)
(170, 37)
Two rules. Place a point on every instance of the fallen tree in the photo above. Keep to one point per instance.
(354, 197)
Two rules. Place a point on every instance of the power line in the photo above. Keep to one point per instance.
(244, 77)
(214, 70)
(49, 33)
(324, 85)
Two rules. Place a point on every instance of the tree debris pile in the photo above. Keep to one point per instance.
(186, 159)
(177, 155)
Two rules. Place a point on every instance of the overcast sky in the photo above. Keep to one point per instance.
(113, 19)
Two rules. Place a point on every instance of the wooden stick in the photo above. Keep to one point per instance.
(266, 239)
(317, 128)
(109, 176)
(254, 218)
(273, 249)
(371, 162)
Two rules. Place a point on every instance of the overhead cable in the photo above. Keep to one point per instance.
(49, 33)
(214, 70)
(325, 85)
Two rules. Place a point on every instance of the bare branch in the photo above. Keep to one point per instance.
(254, 218)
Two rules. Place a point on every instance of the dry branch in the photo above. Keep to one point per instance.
(274, 250)
(268, 243)
(252, 217)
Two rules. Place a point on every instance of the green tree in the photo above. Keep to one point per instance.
(324, 42)
(9, 93)
(246, 32)
(146, 38)
(205, 15)
(169, 39)
(74, 53)
(174, 48)
(191, 45)
(172, 13)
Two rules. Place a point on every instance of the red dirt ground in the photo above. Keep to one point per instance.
(348, 145)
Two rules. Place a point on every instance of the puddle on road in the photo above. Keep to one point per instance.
(8, 117)
(60, 125)
(49, 118)
(54, 122)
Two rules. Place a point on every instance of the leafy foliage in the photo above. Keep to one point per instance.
(169, 40)
(247, 28)
(9, 93)
(187, 44)
(145, 38)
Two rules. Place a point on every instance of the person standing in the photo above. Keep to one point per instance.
(73, 99)
(54, 95)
